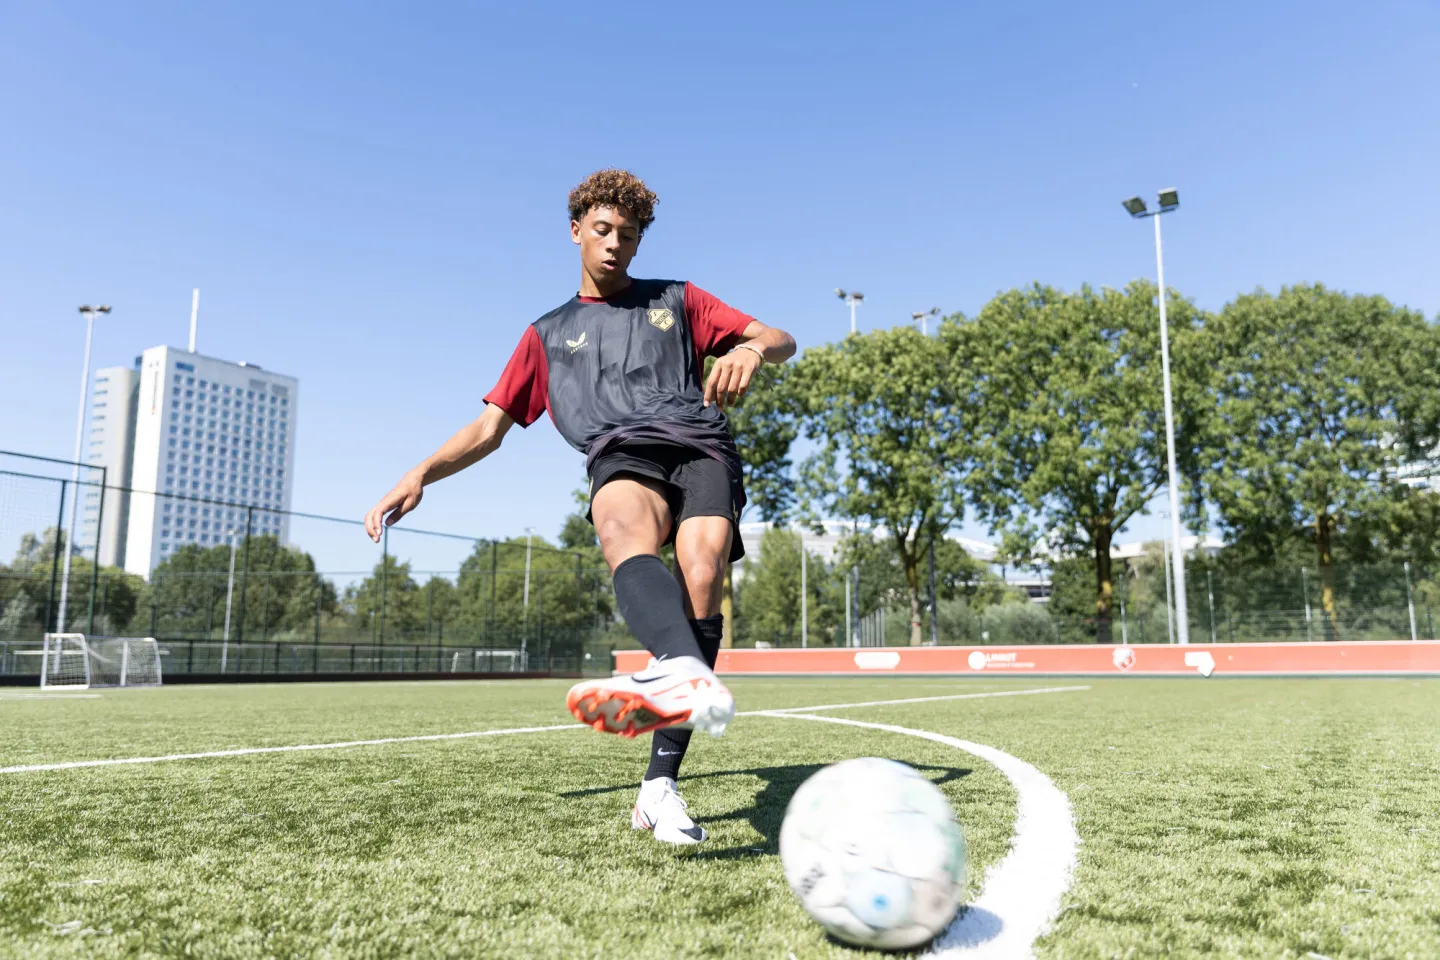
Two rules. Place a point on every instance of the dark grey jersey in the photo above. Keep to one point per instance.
(626, 368)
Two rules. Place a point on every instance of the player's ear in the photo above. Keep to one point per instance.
(574, 231)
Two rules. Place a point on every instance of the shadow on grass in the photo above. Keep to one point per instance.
(768, 809)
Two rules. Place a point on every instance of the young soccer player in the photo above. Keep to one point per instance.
(619, 369)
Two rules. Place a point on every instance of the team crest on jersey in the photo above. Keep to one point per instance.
(662, 318)
(575, 345)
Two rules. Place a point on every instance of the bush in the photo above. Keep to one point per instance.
(1014, 623)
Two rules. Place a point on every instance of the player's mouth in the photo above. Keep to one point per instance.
(610, 264)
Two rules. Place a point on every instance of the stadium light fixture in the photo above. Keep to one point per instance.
(923, 318)
(89, 313)
(853, 297)
(1169, 199)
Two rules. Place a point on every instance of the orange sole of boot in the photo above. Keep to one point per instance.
(636, 714)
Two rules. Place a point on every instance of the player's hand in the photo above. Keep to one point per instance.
(730, 377)
(394, 505)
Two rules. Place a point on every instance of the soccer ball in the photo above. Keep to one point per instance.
(874, 853)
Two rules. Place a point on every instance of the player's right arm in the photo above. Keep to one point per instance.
(471, 443)
(521, 396)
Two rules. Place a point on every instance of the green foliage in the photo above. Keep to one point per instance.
(1320, 397)
(1012, 623)
(891, 441)
(1063, 392)
(277, 593)
(767, 598)
(765, 425)
(25, 592)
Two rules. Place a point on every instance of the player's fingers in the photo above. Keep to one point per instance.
(710, 385)
(723, 386)
(744, 385)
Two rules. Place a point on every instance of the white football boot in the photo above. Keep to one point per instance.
(683, 692)
(661, 808)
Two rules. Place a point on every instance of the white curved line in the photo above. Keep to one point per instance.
(1021, 895)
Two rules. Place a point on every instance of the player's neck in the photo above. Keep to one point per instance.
(608, 287)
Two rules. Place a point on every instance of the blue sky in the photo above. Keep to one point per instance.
(372, 198)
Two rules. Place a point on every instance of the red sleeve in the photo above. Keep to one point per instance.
(715, 326)
(524, 388)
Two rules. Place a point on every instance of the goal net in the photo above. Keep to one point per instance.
(74, 661)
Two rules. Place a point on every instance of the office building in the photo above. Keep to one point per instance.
(205, 430)
(110, 444)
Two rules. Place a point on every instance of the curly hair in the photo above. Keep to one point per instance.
(614, 188)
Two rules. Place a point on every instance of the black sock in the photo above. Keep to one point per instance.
(650, 600)
(668, 746)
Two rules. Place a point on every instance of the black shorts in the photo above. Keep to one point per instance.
(695, 484)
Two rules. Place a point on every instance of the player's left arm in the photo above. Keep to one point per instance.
(731, 375)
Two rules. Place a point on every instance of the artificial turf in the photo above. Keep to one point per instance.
(1237, 818)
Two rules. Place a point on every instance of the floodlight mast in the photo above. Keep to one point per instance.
(853, 297)
(1168, 200)
(923, 318)
(88, 312)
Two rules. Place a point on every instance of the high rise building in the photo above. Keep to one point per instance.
(111, 445)
(204, 430)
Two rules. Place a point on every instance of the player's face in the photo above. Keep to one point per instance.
(608, 238)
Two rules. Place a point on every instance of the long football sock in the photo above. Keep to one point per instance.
(668, 746)
(653, 606)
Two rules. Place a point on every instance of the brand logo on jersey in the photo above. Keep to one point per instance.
(575, 345)
(663, 319)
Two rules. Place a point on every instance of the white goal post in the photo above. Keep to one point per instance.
(73, 661)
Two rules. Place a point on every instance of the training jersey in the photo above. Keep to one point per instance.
(625, 368)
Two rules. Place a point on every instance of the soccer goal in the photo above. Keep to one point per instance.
(73, 661)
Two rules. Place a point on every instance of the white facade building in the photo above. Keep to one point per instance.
(207, 430)
(111, 444)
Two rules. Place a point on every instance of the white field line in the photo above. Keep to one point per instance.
(50, 696)
(1021, 895)
(345, 744)
(886, 703)
(247, 751)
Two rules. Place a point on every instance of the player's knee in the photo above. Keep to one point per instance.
(703, 576)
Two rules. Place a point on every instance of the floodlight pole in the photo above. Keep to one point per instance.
(1182, 616)
(852, 297)
(88, 312)
(1169, 200)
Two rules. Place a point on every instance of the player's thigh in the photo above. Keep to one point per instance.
(631, 517)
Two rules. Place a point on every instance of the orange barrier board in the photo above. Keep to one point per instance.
(1218, 659)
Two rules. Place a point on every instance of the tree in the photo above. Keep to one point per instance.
(892, 443)
(29, 577)
(569, 596)
(1321, 398)
(764, 426)
(1064, 392)
(768, 598)
(276, 590)
(387, 605)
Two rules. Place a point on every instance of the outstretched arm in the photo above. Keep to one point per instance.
(470, 444)
(730, 377)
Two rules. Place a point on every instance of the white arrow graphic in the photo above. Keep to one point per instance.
(1201, 661)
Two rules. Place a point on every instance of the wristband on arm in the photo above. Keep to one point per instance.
(752, 348)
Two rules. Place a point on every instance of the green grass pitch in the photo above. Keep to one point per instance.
(1243, 818)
